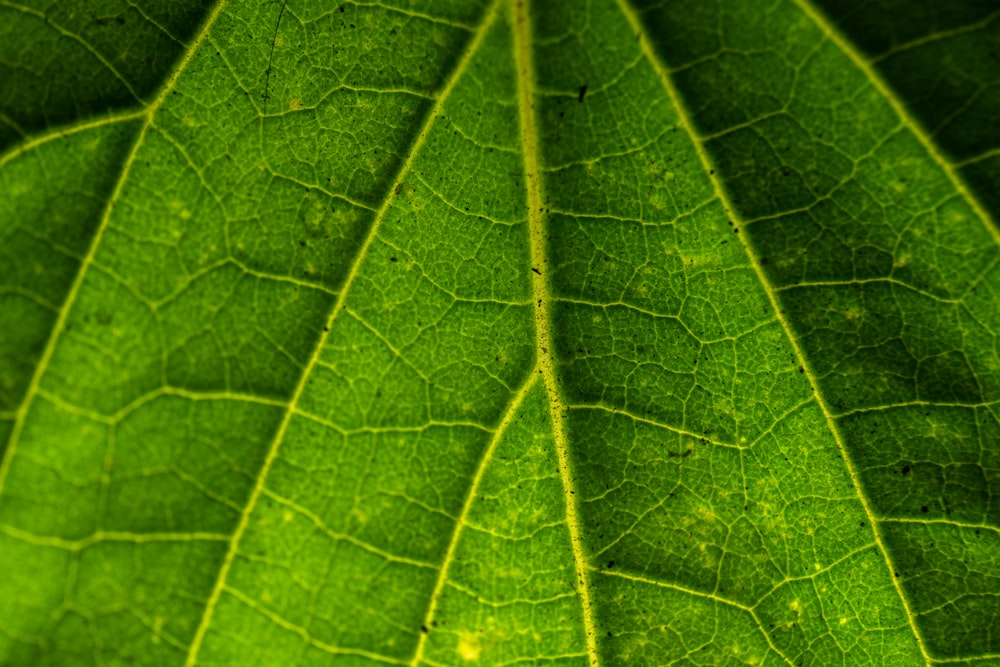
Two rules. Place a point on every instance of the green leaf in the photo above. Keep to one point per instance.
(497, 331)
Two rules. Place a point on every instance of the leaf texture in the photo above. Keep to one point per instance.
(432, 333)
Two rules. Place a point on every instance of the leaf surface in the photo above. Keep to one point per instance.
(438, 333)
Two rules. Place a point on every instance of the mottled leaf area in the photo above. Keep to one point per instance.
(447, 332)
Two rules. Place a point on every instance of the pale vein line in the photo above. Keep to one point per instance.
(942, 522)
(543, 299)
(20, 148)
(462, 521)
(60, 324)
(415, 14)
(601, 407)
(883, 280)
(916, 404)
(345, 537)
(993, 152)
(76, 38)
(674, 587)
(890, 96)
(699, 594)
(338, 306)
(709, 169)
(936, 37)
(278, 619)
(969, 659)
(107, 536)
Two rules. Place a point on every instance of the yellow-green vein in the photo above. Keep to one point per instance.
(543, 303)
(338, 306)
(88, 259)
(470, 496)
(720, 192)
(904, 115)
(698, 594)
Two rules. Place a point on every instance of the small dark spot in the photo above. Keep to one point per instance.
(923, 508)
(862, 524)
(801, 369)
(399, 189)
(611, 564)
(583, 93)
(302, 244)
(763, 261)
(905, 470)
(423, 629)
(536, 270)
(393, 260)
(609, 634)
(342, 9)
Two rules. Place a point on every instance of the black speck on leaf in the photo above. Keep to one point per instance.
(583, 93)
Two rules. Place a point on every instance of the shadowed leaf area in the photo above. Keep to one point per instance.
(446, 332)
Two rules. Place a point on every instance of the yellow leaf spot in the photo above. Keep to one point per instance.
(468, 646)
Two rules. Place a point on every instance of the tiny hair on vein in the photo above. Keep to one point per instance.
(270, 57)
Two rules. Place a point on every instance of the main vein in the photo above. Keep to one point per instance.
(685, 120)
(543, 303)
(338, 306)
(148, 113)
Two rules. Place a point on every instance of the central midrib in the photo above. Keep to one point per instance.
(543, 303)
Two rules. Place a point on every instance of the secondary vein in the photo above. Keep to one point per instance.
(698, 141)
(470, 496)
(338, 306)
(60, 323)
(904, 115)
